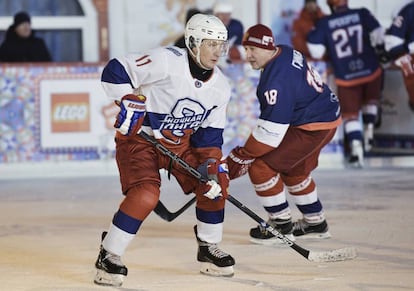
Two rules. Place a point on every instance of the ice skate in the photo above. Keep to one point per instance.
(260, 235)
(214, 262)
(110, 271)
(303, 229)
(368, 137)
(356, 157)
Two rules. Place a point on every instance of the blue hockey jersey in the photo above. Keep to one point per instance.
(292, 93)
(349, 38)
(399, 37)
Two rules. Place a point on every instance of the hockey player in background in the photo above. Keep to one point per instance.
(299, 115)
(399, 43)
(235, 30)
(351, 38)
(306, 20)
(179, 96)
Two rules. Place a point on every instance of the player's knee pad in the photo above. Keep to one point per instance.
(259, 171)
(266, 181)
(140, 200)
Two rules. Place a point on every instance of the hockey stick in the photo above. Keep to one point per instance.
(169, 216)
(327, 256)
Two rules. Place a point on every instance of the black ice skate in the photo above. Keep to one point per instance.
(110, 270)
(303, 229)
(260, 235)
(214, 262)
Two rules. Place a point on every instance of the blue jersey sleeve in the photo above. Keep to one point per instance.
(115, 73)
(400, 35)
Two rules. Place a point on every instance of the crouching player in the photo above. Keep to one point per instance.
(299, 115)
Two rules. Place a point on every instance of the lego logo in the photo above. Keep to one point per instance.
(71, 112)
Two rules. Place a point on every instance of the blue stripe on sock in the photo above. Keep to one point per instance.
(126, 222)
(276, 208)
(212, 217)
(310, 208)
(354, 135)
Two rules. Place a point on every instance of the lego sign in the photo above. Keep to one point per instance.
(70, 112)
(71, 115)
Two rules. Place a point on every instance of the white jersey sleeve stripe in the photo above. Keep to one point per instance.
(392, 41)
(269, 133)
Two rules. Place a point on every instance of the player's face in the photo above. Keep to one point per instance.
(258, 57)
(211, 51)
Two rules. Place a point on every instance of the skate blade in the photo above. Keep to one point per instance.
(315, 235)
(212, 270)
(274, 241)
(107, 279)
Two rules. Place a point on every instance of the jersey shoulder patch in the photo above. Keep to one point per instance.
(175, 50)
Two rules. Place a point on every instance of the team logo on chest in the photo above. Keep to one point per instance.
(186, 116)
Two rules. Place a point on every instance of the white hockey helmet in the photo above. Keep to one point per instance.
(204, 26)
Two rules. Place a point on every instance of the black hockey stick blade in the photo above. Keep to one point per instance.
(169, 216)
(327, 256)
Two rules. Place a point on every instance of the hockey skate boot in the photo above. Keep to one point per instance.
(214, 262)
(356, 157)
(260, 235)
(368, 137)
(110, 270)
(303, 229)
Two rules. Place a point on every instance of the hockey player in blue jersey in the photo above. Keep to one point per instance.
(235, 29)
(180, 97)
(399, 43)
(351, 39)
(299, 115)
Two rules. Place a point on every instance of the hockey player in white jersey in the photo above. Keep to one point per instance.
(179, 96)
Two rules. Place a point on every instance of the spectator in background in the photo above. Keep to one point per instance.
(21, 44)
(181, 41)
(399, 43)
(306, 20)
(351, 39)
(235, 31)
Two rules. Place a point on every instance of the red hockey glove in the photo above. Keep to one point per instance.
(131, 114)
(218, 184)
(239, 162)
(405, 62)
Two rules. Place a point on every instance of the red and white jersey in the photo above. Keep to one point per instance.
(179, 107)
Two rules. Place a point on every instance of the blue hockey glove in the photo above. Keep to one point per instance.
(131, 114)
